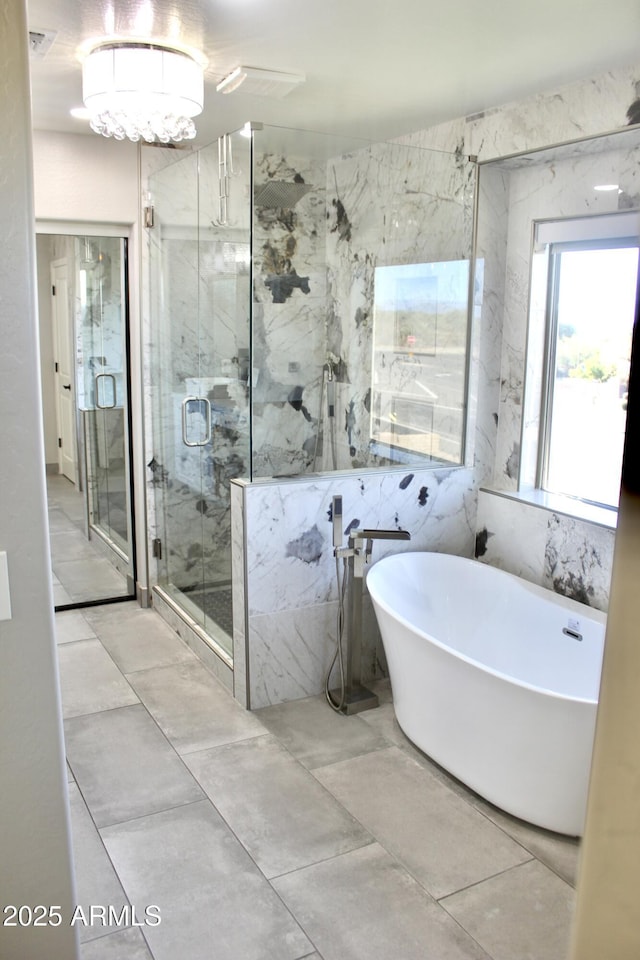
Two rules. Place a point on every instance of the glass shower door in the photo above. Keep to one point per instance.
(200, 317)
(103, 386)
(102, 392)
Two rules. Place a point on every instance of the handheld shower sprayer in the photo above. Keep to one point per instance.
(331, 391)
(336, 519)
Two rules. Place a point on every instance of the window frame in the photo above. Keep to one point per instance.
(555, 249)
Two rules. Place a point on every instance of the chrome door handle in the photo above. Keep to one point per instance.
(105, 406)
(185, 426)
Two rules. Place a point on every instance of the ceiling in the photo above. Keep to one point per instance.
(374, 70)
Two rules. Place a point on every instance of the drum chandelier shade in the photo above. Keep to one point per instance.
(142, 91)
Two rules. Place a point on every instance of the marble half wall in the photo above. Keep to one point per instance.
(285, 627)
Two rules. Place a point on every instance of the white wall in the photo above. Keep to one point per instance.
(84, 177)
(35, 857)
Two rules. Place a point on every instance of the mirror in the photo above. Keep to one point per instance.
(83, 319)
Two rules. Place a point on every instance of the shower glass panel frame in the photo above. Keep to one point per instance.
(200, 283)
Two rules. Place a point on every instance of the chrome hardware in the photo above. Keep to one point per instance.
(105, 406)
(185, 424)
(356, 556)
(336, 520)
(361, 557)
(225, 172)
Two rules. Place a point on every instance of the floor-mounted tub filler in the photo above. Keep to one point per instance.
(494, 678)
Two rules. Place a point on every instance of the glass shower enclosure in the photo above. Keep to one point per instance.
(200, 289)
(309, 301)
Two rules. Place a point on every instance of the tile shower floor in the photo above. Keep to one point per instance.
(287, 833)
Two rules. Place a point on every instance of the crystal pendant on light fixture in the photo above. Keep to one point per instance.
(142, 91)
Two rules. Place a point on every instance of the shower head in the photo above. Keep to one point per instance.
(280, 193)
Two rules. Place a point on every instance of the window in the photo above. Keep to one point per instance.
(590, 310)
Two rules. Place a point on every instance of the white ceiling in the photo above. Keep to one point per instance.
(372, 70)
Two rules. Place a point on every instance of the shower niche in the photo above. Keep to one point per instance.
(301, 321)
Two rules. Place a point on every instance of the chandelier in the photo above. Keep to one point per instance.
(142, 91)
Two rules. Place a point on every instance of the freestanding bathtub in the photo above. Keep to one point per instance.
(495, 678)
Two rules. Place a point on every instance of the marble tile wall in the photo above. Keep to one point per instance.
(314, 285)
(387, 205)
(291, 586)
(561, 553)
(289, 308)
(508, 202)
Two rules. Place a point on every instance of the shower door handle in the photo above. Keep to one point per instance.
(186, 403)
(105, 406)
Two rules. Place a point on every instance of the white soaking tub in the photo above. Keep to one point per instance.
(495, 678)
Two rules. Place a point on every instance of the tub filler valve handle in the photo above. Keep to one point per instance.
(362, 555)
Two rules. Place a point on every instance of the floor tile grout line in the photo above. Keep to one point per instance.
(525, 844)
(104, 848)
(492, 876)
(114, 933)
(226, 743)
(152, 813)
(336, 856)
(316, 863)
(96, 713)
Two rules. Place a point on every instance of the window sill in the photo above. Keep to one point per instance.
(568, 506)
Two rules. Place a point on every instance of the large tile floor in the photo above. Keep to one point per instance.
(287, 833)
(81, 571)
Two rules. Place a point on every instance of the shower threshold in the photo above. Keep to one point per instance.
(209, 641)
(215, 602)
